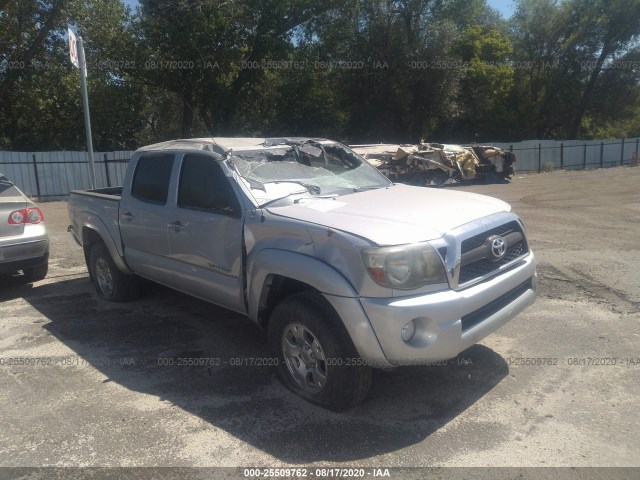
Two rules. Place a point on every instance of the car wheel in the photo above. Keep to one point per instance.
(316, 358)
(111, 284)
(35, 274)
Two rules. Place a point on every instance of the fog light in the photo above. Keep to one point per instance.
(407, 331)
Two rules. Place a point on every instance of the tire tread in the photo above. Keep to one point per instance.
(350, 384)
(125, 287)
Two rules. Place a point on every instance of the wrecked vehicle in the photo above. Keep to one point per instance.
(434, 164)
(345, 270)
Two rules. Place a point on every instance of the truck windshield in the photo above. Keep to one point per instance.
(314, 168)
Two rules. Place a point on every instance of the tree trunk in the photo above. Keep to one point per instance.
(187, 116)
(586, 93)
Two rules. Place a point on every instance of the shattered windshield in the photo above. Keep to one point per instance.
(314, 168)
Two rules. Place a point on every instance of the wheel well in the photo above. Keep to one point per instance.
(89, 239)
(90, 236)
(276, 288)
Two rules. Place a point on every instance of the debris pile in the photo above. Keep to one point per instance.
(434, 164)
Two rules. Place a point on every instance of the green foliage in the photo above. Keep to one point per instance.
(356, 70)
(486, 85)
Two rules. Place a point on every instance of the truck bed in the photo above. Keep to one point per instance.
(97, 209)
(110, 193)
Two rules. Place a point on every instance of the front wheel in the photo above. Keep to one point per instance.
(317, 359)
(111, 284)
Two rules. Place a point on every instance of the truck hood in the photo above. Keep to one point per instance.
(395, 215)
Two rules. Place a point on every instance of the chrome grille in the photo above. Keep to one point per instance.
(478, 240)
(477, 263)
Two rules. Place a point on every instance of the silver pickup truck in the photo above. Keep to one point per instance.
(345, 270)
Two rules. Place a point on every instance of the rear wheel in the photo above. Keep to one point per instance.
(35, 274)
(111, 284)
(317, 359)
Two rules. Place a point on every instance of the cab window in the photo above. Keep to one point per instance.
(151, 179)
(204, 186)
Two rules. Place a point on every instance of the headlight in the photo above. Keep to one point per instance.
(406, 267)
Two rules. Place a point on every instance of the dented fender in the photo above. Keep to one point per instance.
(296, 266)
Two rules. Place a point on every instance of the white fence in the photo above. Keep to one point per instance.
(538, 155)
(52, 175)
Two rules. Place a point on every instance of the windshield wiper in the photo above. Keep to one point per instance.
(334, 195)
(370, 187)
(312, 189)
(266, 204)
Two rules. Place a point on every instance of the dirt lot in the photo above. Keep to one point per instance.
(106, 399)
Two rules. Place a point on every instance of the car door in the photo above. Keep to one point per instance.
(205, 234)
(143, 216)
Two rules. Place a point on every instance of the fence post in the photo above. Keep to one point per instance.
(637, 141)
(601, 152)
(539, 157)
(584, 157)
(35, 170)
(106, 170)
(622, 153)
(562, 156)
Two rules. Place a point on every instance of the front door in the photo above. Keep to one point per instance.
(205, 234)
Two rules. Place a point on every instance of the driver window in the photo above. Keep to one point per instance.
(204, 186)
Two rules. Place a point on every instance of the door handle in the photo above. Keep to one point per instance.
(127, 216)
(177, 226)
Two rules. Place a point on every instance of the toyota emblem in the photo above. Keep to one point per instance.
(498, 247)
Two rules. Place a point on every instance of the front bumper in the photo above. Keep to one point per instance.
(30, 249)
(446, 323)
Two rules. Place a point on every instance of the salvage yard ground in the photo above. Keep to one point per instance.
(558, 386)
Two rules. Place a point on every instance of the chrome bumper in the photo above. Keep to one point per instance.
(26, 250)
(448, 322)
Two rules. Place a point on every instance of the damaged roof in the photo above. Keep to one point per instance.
(224, 144)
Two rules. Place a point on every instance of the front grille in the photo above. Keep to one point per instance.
(477, 240)
(480, 267)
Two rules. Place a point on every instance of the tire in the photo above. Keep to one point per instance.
(329, 371)
(111, 284)
(35, 274)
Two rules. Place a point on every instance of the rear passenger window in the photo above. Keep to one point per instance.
(204, 186)
(152, 177)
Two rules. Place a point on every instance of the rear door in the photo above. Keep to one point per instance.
(10, 200)
(205, 233)
(143, 216)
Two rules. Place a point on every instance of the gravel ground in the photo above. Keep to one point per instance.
(104, 400)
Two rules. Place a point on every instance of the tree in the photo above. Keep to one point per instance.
(565, 49)
(609, 27)
(486, 85)
(40, 107)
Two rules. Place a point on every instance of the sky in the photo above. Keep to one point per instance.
(503, 6)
